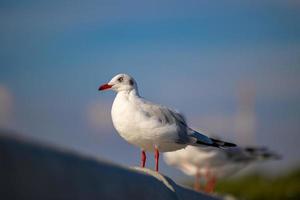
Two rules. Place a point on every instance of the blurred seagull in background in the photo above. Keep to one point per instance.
(216, 163)
(151, 127)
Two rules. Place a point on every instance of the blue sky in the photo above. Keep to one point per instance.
(189, 55)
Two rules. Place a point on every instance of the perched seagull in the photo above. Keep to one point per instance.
(151, 127)
(216, 163)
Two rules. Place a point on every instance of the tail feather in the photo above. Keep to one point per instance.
(204, 140)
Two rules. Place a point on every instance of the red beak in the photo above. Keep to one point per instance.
(105, 87)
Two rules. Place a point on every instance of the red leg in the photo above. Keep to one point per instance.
(207, 181)
(156, 159)
(143, 159)
(197, 186)
(212, 184)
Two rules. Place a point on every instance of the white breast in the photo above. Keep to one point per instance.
(121, 117)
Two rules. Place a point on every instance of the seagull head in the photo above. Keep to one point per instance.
(120, 82)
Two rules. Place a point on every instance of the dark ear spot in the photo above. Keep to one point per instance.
(131, 82)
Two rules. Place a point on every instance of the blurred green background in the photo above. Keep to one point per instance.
(260, 186)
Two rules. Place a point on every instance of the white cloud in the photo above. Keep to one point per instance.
(235, 128)
(98, 116)
(217, 124)
(6, 107)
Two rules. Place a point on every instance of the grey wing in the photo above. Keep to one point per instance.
(183, 129)
(166, 116)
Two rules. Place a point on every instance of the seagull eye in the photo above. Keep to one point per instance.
(131, 82)
(120, 79)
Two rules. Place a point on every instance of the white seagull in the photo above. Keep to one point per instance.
(215, 163)
(151, 127)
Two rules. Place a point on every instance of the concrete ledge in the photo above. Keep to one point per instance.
(33, 171)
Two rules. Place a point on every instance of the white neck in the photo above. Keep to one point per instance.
(132, 92)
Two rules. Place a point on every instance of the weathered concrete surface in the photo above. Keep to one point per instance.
(32, 171)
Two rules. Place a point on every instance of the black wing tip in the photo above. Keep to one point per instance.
(218, 143)
(273, 156)
(222, 144)
(263, 152)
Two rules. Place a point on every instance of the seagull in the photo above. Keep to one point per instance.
(149, 126)
(216, 163)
